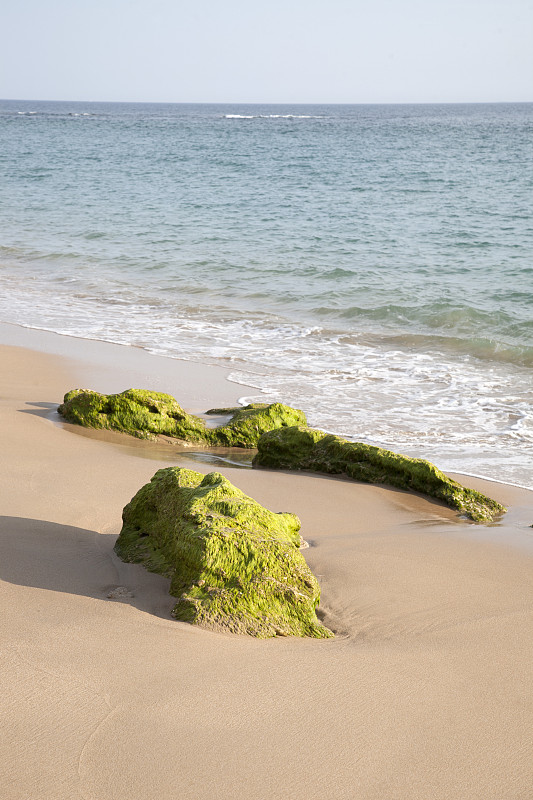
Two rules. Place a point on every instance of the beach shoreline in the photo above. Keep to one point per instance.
(102, 355)
(424, 692)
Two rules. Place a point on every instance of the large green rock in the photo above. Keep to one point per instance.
(143, 414)
(234, 566)
(147, 414)
(307, 449)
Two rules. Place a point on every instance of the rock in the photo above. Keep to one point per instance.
(308, 449)
(248, 423)
(234, 566)
(289, 451)
(140, 413)
(146, 415)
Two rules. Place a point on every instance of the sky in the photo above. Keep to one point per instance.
(280, 51)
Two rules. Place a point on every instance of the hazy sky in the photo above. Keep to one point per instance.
(286, 51)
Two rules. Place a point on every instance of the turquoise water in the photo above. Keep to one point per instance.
(370, 264)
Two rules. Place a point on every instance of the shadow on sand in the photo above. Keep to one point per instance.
(62, 558)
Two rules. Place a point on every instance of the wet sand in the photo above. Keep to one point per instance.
(424, 693)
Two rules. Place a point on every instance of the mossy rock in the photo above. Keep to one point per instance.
(140, 413)
(249, 423)
(147, 414)
(234, 566)
(307, 449)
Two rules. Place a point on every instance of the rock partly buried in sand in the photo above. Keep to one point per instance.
(234, 566)
(308, 449)
(249, 423)
(143, 414)
(146, 415)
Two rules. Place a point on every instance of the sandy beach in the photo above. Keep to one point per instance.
(425, 691)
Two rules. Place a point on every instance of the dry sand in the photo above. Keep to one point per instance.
(424, 693)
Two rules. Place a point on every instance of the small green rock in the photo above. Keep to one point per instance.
(248, 424)
(308, 449)
(234, 566)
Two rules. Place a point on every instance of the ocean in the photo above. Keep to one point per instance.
(370, 264)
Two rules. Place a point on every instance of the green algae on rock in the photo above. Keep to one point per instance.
(140, 413)
(234, 566)
(147, 414)
(248, 423)
(308, 449)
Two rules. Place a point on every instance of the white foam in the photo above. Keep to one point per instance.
(272, 116)
(290, 116)
(466, 415)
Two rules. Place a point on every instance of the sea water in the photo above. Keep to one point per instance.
(371, 265)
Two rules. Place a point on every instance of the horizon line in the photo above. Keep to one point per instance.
(271, 103)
